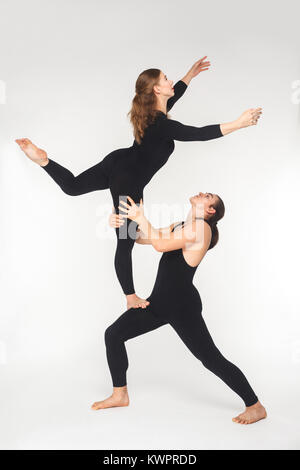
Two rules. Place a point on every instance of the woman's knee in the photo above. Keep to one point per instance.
(111, 335)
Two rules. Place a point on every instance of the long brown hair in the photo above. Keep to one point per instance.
(220, 211)
(143, 111)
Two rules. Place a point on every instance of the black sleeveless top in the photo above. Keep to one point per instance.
(174, 276)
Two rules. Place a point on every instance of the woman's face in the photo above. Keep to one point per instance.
(204, 201)
(165, 86)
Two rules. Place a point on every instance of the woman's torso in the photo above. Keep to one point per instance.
(135, 166)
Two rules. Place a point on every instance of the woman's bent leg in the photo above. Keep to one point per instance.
(194, 333)
(92, 179)
(132, 323)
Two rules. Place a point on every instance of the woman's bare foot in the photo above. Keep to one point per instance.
(251, 414)
(133, 301)
(119, 397)
(33, 152)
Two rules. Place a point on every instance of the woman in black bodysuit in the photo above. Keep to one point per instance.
(129, 170)
(176, 301)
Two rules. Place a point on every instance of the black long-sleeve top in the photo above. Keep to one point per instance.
(128, 170)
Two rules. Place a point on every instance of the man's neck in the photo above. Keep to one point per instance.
(197, 213)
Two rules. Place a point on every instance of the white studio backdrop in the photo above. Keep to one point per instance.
(68, 71)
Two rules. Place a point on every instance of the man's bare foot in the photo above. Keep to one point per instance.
(251, 414)
(33, 152)
(133, 301)
(119, 397)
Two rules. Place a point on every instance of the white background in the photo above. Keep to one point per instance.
(70, 69)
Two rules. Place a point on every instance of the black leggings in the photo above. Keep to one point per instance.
(191, 328)
(97, 178)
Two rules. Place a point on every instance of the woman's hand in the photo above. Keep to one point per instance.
(116, 220)
(133, 211)
(198, 67)
(249, 117)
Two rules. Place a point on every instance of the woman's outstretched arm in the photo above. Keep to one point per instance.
(177, 131)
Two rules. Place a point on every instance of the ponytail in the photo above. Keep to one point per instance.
(143, 110)
(214, 235)
(213, 221)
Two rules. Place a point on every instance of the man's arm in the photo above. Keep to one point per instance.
(186, 236)
(116, 220)
(161, 242)
(142, 239)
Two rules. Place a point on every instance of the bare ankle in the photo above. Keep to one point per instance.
(120, 390)
(131, 296)
(255, 405)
